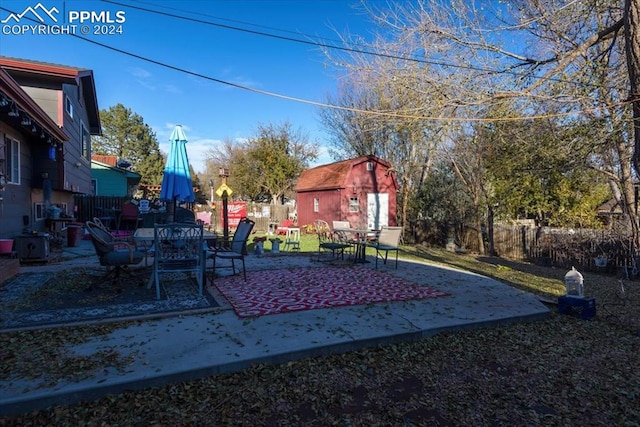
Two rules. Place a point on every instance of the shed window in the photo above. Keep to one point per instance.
(316, 204)
(354, 206)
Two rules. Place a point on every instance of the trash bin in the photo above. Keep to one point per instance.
(73, 233)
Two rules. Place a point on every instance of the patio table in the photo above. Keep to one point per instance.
(146, 235)
(58, 225)
(362, 235)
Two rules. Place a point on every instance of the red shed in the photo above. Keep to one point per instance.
(361, 191)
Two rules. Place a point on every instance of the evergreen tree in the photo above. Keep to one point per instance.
(127, 136)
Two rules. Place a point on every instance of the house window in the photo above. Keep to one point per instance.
(316, 204)
(68, 106)
(353, 204)
(369, 166)
(13, 161)
(86, 141)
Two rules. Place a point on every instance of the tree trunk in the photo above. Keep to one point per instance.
(490, 241)
(632, 41)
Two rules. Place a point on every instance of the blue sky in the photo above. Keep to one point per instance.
(209, 111)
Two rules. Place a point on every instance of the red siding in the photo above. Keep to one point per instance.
(354, 180)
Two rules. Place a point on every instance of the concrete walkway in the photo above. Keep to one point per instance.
(182, 348)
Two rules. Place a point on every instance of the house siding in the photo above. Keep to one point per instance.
(109, 183)
(47, 99)
(41, 94)
(76, 178)
(16, 197)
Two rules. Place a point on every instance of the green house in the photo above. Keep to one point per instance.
(108, 180)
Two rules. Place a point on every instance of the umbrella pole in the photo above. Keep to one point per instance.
(171, 211)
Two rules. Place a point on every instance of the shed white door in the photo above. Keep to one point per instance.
(377, 210)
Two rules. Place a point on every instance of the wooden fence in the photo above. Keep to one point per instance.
(268, 216)
(563, 247)
(265, 215)
(88, 206)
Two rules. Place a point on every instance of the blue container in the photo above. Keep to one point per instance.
(582, 307)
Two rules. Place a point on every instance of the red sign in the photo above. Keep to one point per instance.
(236, 211)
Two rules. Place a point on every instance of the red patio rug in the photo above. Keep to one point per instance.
(297, 289)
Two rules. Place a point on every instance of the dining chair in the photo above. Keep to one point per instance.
(129, 218)
(236, 250)
(292, 239)
(283, 228)
(388, 241)
(327, 240)
(184, 216)
(114, 254)
(178, 248)
(107, 216)
(341, 225)
(343, 236)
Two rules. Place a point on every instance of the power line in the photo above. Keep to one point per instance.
(331, 46)
(389, 114)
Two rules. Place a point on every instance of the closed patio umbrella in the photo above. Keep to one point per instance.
(176, 181)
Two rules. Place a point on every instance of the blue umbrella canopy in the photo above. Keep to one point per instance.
(176, 182)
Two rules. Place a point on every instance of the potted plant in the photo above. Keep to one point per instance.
(259, 243)
(600, 259)
(275, 245)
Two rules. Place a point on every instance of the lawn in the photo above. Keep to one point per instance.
(559, 371)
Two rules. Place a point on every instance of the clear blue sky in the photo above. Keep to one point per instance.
(209, 111)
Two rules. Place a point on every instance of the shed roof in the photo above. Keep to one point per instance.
(332, 175)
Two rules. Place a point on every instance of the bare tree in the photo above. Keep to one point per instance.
(383, 107)
(576, 60)
(265, 167)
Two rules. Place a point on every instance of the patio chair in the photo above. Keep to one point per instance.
(237, 249)
(114, 254)
(184, 216)
(343, 236)
(388, 241)
(327, 240)
(129, 218)
(282, 229)
(108, 217)
(178, 248)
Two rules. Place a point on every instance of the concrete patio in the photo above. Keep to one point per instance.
(181, 348)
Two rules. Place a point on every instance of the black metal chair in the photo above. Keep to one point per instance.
(236, 250)
(327, 240)
(114, 254)
(184, 216)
